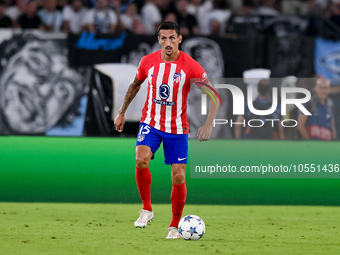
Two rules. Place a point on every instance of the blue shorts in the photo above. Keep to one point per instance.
(175, 146)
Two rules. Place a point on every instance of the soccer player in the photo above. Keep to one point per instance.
(164, 119)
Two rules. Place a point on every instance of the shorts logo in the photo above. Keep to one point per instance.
(164, 91)
(177, 77)
(141, 138)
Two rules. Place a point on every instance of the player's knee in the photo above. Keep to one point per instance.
(142, 162)
(178, 177)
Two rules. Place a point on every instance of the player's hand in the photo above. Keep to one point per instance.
(203, 133)
(119, 122)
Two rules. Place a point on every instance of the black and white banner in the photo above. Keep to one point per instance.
(220, 57)
(287, 50)
(40, 94)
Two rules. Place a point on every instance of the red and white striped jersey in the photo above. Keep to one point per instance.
(168, 86)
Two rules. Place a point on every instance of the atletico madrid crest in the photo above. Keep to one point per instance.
(141, 138)
(177, 77)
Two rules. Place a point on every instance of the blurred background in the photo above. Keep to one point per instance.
(65, 65)
(65, 68)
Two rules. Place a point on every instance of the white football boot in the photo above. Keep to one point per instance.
(143, 219)
(172, 233)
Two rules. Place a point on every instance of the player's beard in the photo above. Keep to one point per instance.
(169, 53)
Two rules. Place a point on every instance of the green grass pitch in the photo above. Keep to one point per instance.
(49, 228)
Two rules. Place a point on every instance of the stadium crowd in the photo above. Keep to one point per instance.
(204, 17)
(143, 16)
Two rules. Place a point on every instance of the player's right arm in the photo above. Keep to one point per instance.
(129, 96)
(204, 132)
(238, 127)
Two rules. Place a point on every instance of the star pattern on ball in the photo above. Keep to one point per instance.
(187, 218)
(192, 231)
(201, 235)
(191, 227)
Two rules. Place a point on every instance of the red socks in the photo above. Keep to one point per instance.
(143, 178)
(178, 196)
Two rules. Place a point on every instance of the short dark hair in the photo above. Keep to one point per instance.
(264, 87)
(169, 25)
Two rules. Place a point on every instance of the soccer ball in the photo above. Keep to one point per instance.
(191, 227)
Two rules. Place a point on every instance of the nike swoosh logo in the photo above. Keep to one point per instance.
(153, 75)
(180, 159)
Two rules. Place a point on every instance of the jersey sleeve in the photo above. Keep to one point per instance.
(198, 72)
(141, 74)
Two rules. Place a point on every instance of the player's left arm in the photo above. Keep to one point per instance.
(204, 132)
